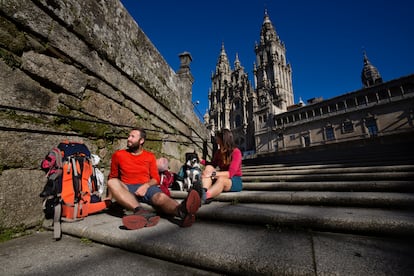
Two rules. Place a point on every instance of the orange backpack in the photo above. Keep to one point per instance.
(70, 192)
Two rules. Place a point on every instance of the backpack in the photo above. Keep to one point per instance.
(71, 191)
(97, 181)
(189, 175)
(166, 177)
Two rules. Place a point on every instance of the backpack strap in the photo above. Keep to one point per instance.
(59, 156)
(162, 175)
(57, 227)
(76, 177)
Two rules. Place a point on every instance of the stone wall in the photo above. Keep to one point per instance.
(83, 71)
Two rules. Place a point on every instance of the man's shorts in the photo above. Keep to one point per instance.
(236, 184)
(152, 190)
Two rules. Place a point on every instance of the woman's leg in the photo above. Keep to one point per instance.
(221, 184)
(206, 176)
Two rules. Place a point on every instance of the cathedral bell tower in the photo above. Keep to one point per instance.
(370, 74)
(219, 94)
(272, 75)
(229, 105)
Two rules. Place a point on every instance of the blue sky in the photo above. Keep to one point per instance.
(324, 39)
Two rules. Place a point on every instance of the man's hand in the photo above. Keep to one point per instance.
(142, 190)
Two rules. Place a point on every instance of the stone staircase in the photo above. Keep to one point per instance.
(347, 197)
(295, 216)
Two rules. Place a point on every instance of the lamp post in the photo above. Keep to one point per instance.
(196, 109)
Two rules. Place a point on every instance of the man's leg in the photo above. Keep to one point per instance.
(186, 210)
(165, 204)
(141, 218)
(120, 193)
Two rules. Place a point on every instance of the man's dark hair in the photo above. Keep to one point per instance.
(142, 132)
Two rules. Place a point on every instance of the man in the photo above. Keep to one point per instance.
(134, 178)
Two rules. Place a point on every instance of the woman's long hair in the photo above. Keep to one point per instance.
(226, 137)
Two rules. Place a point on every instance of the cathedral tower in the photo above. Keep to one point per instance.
(219, 104)
(369, 74)
(248, 112)
(273, 85)
(229, 105)
(272, 74)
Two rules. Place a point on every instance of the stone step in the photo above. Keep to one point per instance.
(346, 219)
(366, 221)
(369, 185)
(374, 160)
(319, 198)
(225, 247)
(312, 169)
(371, 153)
(321, 176)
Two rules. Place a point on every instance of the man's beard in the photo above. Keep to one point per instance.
(133, 147)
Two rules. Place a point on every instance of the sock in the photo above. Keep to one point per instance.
(180, 212)
(108, 202)
(208, 194)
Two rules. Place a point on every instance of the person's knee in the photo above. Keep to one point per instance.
(158, 198)
(224, 183)
(113, 184)
(208, 170)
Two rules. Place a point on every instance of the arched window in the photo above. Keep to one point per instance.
(237, 105)
(306, 141)
(347, 126)
(329, 133)
(371, 125)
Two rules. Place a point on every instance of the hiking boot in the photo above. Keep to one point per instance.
(115, 209)
(152, 221)
(134, 222)
(198, 186)
(188, 208)
(152, 218)
(140, 219)
(143, 212)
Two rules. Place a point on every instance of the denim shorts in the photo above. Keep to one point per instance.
(152, 190)
(236, 184)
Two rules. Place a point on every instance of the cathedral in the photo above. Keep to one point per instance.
(264, 119)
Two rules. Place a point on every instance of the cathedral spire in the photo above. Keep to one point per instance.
(223, 62)
(268, 31)
(266, 17)
(370, 74)
(237, 62)
(223, 54)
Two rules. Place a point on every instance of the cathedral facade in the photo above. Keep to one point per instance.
(265, 120)
(230, 102)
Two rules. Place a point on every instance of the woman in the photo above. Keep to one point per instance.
(228, 159)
